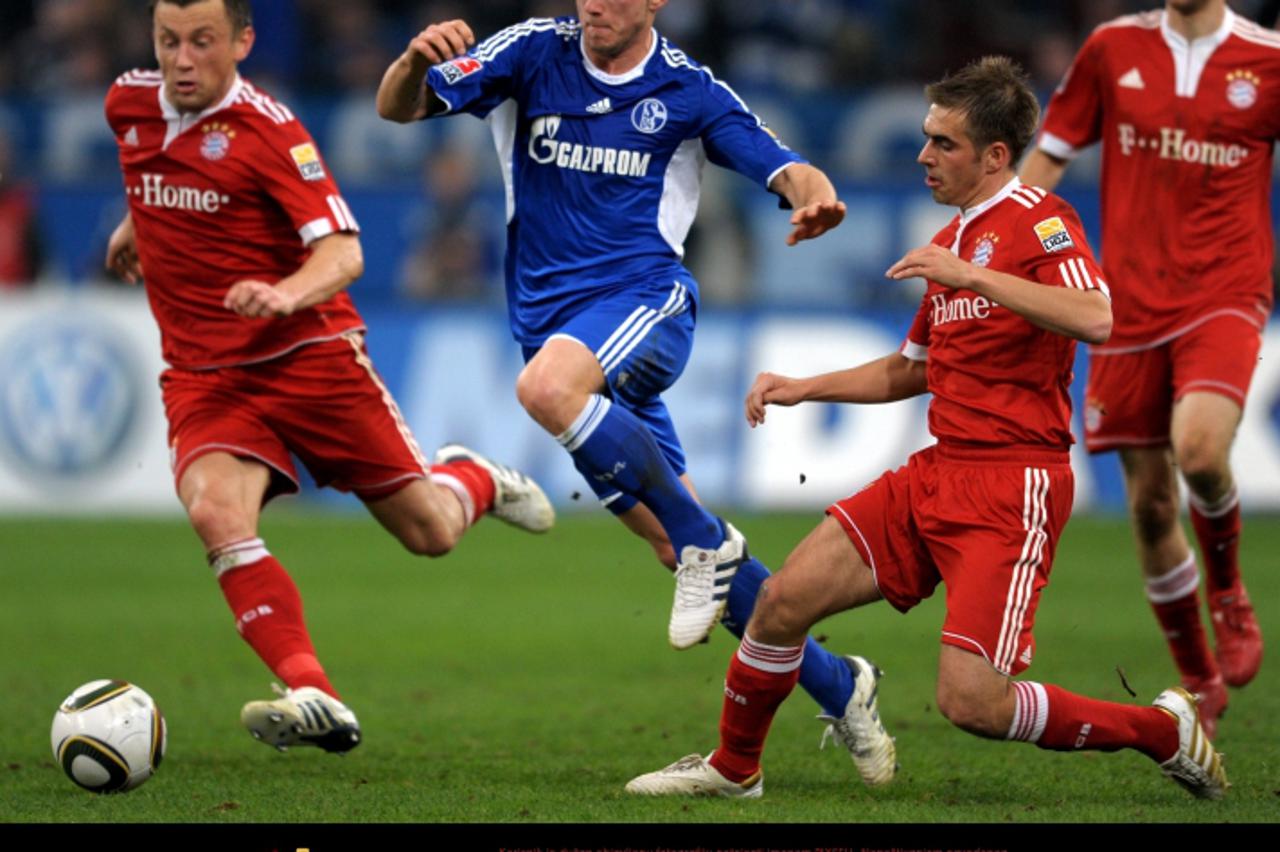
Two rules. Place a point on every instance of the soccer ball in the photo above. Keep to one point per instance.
(108, 736)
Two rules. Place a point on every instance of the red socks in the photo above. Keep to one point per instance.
(268, 611)
(760, 677)
(1175, 598)
(1217, 529)
(1058, 720)
(471, 483)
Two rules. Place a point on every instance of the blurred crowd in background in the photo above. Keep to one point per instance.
(788, 52)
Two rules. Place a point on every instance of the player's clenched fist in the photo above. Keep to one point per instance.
(259, 300)
(122, 252)
(443, 41)
(770, 389)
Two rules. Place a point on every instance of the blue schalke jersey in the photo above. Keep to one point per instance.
(602, 171)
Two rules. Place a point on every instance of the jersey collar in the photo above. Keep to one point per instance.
(1176, 40)
(626, 76)
(1191, 57)
(178, 122)
(971, 213)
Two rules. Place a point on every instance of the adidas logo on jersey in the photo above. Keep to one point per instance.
(131, 138)
(600, 107)
(1132, 79)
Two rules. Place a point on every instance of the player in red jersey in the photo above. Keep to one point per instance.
(1011, 286)
(1186, 103)
(247, 248)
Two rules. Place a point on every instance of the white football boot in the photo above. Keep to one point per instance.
(517, 499)
(860, 730)
(693, 775)
(703, 578)
(303, 716)
(1197, 766)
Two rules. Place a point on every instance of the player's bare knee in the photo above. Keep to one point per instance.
(546, 399)
(431, 540)
(216, 521)
(971, 712)
(780, 612)
(1203, 464)
(1155, 513)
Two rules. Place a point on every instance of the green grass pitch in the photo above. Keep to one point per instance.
(526, 679)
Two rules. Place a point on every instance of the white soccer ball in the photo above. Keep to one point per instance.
(108, 736)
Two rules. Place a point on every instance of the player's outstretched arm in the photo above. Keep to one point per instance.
(1081, 314)
(815, 208)
(886, 379)
(1039, 168)
(122, 251)
(335, 262)
(402, 94)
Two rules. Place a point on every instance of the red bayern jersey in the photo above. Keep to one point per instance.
(1187, 134)
(237, 192)
(996, 379)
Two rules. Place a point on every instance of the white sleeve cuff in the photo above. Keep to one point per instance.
(1056, 146)
(914, 351)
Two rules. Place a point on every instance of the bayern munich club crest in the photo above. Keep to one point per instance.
(217, 141)
(1242, 89)
(985, 249)
(649, 116)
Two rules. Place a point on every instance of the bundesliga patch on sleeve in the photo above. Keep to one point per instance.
(455, 69)
(1053, 235)
(308, 161)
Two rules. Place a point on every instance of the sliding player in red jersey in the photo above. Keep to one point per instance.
(1012, 286)
(1186, 103)
(247, 247)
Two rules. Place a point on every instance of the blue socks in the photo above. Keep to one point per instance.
(822, 674)
(615, 447)
(610, 444)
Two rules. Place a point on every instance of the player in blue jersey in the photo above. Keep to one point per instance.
(603, 127)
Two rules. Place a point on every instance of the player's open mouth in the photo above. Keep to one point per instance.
(186, 87)
(932, 182)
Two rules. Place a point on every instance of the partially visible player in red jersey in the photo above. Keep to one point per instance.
(1012, 286)
(1186, 103)
(247, 246)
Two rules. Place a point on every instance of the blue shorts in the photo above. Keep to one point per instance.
(642, 337)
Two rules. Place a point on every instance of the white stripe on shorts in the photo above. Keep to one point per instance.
(627, 336)
(1022, 584)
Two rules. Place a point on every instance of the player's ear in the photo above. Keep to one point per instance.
(243, 43)
(655, 5)
(997, 157)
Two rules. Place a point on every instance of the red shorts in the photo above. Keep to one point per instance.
(1130, 393)
(984, 523)
(323, 402)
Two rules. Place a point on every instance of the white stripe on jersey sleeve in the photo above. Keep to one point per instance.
(914, 351)
(501, 40)
(349, 217)
(1075, 273)
(340, 214)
